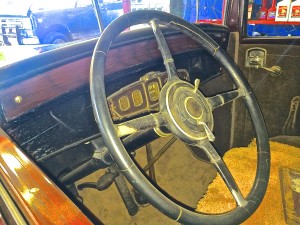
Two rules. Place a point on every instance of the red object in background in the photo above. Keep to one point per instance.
(126, 9)
(215, 21)
(262, 13)
(271, 22)
(126, 6)
(295, 13)
(282, 11)
(272, 11)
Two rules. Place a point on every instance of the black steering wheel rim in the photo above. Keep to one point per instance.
(122, 158)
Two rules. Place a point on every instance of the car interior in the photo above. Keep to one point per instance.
(115, 105)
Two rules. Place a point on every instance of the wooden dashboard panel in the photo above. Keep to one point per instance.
(29, 94)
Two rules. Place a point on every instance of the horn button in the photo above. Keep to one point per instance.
(193, 108)
(187, 111)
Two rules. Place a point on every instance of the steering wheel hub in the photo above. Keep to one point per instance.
(186, 110)
(193, 108)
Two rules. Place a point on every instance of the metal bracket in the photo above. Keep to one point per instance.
(256, 57)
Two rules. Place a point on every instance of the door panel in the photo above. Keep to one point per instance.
(274, 94)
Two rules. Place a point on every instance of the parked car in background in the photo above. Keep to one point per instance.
(53, 22)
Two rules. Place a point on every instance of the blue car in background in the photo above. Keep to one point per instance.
(42, 22)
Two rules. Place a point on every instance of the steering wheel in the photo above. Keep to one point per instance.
(186, 112)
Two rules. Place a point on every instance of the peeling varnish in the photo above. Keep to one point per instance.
(50, 128)
(124, 130)
(180, 214)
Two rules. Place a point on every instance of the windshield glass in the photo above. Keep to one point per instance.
(31, 27)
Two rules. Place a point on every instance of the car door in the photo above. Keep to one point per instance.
(266, 49)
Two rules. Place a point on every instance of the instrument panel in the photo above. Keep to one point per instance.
(141, 96)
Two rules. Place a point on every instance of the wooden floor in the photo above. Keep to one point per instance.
(178, 172)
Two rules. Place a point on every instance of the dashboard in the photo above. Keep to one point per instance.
(45, 101)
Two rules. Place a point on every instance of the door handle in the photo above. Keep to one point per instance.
(257, 57)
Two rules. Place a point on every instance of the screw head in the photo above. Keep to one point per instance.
(18, 99)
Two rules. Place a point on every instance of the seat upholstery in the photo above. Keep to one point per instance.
(291, 129)
(286, 139)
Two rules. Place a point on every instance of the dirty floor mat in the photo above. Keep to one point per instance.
(242, 164)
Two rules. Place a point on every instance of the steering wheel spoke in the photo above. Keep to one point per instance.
(224, 98)
(223, 170)
(141, 123)
(164, 49)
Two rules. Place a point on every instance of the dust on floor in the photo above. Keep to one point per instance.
(178, 172)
